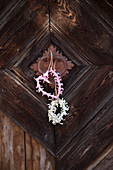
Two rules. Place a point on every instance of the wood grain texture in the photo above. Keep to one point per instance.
(21, 66)
(4, 4)
(91, 141)
(86, 96)
(88, 34)
(12, 152)
(104, 161)
(19, 151)
(64, 44)
(82, 31)
(104, 8)
(20, 23)
(27, 110)
(37, 158)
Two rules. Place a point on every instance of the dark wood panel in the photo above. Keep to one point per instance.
(81, 76)
(21, 66)
(91, 141)
(104, 8)
(4, 4)
(84, 29)
(86, 96)
(104, 161)
(74, 54)
(25, 109)
(32, 50)
(20, 28)
(12, 151)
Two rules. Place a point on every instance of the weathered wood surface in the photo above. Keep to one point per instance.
(12, 152)
(104, 8)
(27, 110)
(90, 143)
(82, 31)
(4, 4)
(68, 49)
(19, 151)
(37, 158)
(22, 67)
(86, 97)
(20, 24)
(89, 36)
(104, 161)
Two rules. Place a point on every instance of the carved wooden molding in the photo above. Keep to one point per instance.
(62, 64)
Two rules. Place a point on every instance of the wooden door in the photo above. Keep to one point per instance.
(81, 31)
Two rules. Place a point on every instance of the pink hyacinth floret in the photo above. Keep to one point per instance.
(45, 78)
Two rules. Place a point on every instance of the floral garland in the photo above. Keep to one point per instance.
(56, 101)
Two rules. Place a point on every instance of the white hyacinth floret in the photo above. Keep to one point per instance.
(53, 106)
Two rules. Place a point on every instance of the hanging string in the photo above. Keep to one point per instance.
(51, 60)
(55, 81)
(53, 64)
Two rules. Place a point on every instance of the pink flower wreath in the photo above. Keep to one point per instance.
(45, 78)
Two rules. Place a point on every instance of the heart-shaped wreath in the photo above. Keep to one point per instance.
(45, 78)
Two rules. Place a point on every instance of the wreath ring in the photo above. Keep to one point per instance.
(53, 106)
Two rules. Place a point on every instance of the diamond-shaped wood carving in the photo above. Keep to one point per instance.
(82, 33)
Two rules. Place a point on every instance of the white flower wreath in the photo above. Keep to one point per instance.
(53, 106)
